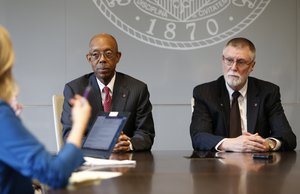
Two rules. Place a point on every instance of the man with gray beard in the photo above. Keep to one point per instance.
(259, 125)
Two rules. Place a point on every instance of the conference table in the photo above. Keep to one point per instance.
(188, 172)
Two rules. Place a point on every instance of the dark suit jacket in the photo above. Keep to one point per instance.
(129, 95)
(265, 114)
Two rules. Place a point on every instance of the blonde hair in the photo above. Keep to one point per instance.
(8, 85)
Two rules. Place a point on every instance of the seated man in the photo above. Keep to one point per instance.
(113, 91)
(255, 122)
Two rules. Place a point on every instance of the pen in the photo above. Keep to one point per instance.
(87, 91)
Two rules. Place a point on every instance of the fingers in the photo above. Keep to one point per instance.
(255, 147)
(123, 143)
(254, 137)
(250, 134)
(76, 99)
(80, 102)
(81, 110)
(247, 134)
(245, 143)
(18, 109)
(122, 146)
(123, 137)
(255, 143)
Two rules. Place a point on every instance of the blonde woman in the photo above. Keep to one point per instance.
(22, 156)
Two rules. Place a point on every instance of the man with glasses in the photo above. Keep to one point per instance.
(239, 113)
(113, 91)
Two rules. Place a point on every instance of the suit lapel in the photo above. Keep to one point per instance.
(120, 93)
(224, 104)
(96, 94)
(252, 106)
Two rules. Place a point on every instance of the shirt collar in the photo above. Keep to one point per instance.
(110, 85)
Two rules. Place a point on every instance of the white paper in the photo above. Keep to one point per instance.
(89, 161)
(84, 176)
(113, 114)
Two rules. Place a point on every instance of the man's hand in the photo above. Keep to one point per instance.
(123, 144)
(246, 142)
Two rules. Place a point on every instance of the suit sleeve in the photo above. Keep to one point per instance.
(144, 134)
(205, 118)
(279, 125)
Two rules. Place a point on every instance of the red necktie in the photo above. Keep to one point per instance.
(107, 100)
(235, 117)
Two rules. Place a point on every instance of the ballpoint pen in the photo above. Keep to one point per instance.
(87, 91)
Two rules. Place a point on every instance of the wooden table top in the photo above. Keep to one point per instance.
(172, 172)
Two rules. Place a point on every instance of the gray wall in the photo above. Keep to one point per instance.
(51, 39)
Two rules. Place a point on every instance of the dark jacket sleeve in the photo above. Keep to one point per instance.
(66, 113)
(144, 133)
(278, 124)
(207, 126)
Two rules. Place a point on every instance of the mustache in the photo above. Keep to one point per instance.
(101, 65)
(234, 74)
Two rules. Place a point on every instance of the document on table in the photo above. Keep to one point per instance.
(89, 161)
(90, 174)
(86, 176)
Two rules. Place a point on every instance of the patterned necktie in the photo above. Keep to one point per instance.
(107, 100)
(235, 117)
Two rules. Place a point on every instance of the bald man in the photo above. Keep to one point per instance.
(127, 94)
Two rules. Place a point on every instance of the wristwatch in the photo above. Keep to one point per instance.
(271, 144)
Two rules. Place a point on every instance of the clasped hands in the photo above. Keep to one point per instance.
(246, 142)
(123, 143)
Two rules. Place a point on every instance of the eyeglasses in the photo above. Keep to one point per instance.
(109, 54)
(240, 62)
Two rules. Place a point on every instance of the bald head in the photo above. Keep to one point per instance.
(102, 37)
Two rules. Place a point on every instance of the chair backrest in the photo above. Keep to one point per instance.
(192, 104)
(57, 105)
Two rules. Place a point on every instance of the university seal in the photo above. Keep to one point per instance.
(181, 24)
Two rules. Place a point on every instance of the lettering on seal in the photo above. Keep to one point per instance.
(181, 24)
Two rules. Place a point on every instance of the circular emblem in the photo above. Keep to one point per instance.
(181, 24)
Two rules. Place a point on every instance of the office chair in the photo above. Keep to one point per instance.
(57, 105)
(192, 104)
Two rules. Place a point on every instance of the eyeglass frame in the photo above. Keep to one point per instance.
(238, 63)
(102, 53)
